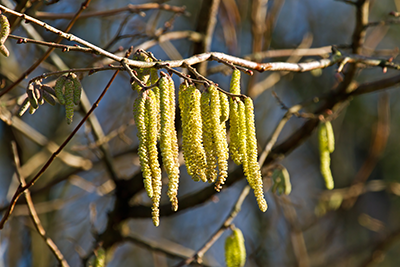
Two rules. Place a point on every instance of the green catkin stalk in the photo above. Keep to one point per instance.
(326, 145)
(151, 126)
(219, 137)
(140, 120)
(77, 88)
(4, 32)
(69, 100)
(235, 139)
(168, 139)
(192, 144)
(24, 107)
(59, 89)
(235, 250)
(253, 169)
(209, 148)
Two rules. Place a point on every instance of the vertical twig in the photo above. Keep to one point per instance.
(33, 214)
(227, 223)
(206, 25)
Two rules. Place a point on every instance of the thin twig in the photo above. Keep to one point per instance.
(49, 51)
(65, 48)
(129, 8)
(33, 214)
(21, 188)
(225, 225)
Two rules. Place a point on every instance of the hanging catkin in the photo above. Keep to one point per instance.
(168, 139)
(219, 137)
(192, 134)
(151, 126)
(139, 112)
(235, 138)
(326, 146)
(253, 169)
(210, 150)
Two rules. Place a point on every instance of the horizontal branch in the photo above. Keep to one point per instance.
(129, 8)
(274, 66)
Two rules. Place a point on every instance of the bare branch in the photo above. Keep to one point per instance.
(226, 224)
(129, 8)
(32, 211)
(21, 188)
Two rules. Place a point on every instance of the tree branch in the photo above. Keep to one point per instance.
(22, 188)
(32, 212)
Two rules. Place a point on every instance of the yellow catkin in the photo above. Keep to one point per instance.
(151, 127)
(142, 74)
(140, 120)
(224, 102)
(156, 90)
(330, 136)
(4, 32)
(219, 137)
(209, 148)
(234, 146)
(168, 138)
(253, 169)
(192, 134)
(325, 145)
(235, 250)
(242, 136)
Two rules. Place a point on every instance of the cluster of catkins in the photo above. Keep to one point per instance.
(205, 148)
(4, 32)
(67, 91)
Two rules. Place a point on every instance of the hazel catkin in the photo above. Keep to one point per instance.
(151, 127)
(59, 89)
(235, 130)
(69, 100)
(253, 169)
(168, 138)
(219, 137)
(209, 148)
(235, 250)
(4, 32)
(326, 146)
(192, 143)
(139, 112)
